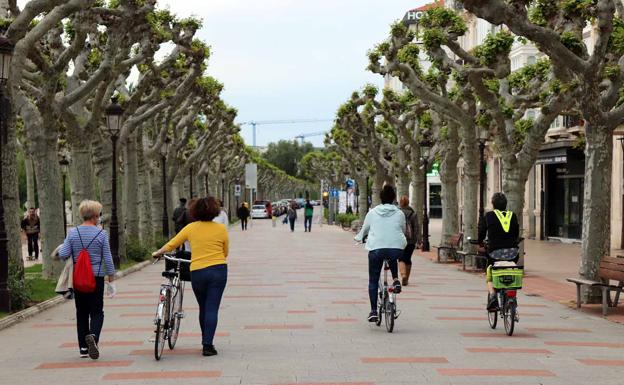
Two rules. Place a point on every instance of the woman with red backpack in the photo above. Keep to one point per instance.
(89, 247)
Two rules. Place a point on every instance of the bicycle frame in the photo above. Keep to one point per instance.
(383, 284)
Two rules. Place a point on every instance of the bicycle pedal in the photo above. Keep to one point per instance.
(397, 314)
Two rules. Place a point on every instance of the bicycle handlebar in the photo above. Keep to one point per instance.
(171, 257)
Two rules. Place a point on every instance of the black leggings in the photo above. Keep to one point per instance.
(244, 223)
(407, 254)
(90, 312)
(33, 245)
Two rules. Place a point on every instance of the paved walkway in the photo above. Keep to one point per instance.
(294, 312)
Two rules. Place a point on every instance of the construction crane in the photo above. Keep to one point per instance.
(310, 134)
(253, 124)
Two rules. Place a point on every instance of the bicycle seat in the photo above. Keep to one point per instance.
(169, 274)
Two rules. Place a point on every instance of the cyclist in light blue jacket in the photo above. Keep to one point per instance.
(385, 228)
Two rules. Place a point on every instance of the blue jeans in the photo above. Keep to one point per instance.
(208, 285)
(375, 264)
(307, 223)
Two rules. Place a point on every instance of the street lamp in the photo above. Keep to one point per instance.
(482, 135)
(64, 163)
(622, 236)
(163, 165)
(425, 148)
(6, 54)
(114, 114)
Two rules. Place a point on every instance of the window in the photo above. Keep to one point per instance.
(531, 60)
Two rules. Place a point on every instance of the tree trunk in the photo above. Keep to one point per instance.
(157, 199)
(470, 184)
(10, 188)
(378, 183)
(103, 172)
(362, 198)
(416, 174)
(596, 204)
(30, 181)
(449, 178)
(81, 179)
(48, 174)
(146, 231)
(131, 187)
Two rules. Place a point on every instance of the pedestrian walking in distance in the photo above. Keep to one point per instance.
(209, 244)
(308, 213)
(292, 215)
(180, 216)
(90, 306)
(243, 215)
(412, 234)
(32, 226)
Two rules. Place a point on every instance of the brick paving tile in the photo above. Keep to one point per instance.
(174, 352)
(126, 315)
(340, 320)
(84, 364)
(497, 334)
(104, 343)
(161, 375)
(349, 302)
(198, 334)
(557, 330)
(404, 360)
(509, 350)
(496, 372)
(611, 345)
(54, 325)
(128, 329)
(593, 362)
(254, 296)
(278, 327)
(484, 318)
(301, 311)
(328, 383)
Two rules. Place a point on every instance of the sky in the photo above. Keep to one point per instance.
(291, 59)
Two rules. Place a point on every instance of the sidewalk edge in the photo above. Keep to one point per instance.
(47, 304)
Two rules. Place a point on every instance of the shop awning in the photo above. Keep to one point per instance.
(553, 156)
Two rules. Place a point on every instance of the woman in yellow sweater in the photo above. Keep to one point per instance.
(209, 246)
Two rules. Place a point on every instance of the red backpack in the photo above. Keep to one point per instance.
(83, 278)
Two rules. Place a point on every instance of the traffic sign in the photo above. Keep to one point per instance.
(237, 190)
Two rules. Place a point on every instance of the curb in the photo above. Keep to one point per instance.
(22, 315)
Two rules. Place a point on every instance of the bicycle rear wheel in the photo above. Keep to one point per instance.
(175, 317)
(492, 316)
(509, 316)
(159, 342)
(390, 315)
(380, 307)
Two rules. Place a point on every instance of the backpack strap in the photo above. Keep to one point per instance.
(102, 253)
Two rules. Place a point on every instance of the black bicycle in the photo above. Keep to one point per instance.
(169, 312)
(386, 303)
(506, 280)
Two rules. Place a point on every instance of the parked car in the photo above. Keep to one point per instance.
(259, 211)
(267, 205)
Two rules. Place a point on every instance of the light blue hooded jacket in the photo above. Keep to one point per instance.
(385, 227)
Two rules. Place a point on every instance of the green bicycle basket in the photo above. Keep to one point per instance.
(505, 277)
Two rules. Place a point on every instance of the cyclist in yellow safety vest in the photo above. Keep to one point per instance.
(502, 231)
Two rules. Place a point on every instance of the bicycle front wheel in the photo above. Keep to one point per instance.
(390, 315)
(175, 317)
(492, 316)
(509, 316)
(159, 342)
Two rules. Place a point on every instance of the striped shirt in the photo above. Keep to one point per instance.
(98, 250)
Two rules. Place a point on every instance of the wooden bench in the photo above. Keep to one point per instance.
(454, 244)
(610, 269)
(473, 256)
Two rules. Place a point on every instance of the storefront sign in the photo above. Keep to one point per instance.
(552, 160)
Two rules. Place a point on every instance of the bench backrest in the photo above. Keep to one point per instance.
(455, 240)
(612, 268)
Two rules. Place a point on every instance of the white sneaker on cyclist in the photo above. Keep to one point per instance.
(372, 316)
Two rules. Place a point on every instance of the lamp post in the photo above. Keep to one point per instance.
(425, 148)
(114, 114)
(483, 136)
(163, 165)
(6, 54)
(64, 163)
(191, 182)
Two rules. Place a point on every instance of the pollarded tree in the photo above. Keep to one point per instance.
(557, 29)
(401, 56)
(505, 96)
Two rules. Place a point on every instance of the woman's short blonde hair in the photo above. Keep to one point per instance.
(90, 209)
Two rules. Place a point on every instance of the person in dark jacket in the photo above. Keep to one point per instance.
(180, 216)
(502, 230)
(32, 226)
(308, 214)
(412, 234)
(292, 215)
(243, 215)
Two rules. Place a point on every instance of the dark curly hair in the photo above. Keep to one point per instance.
(387, 194)
(499, 201)
(205, 209)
